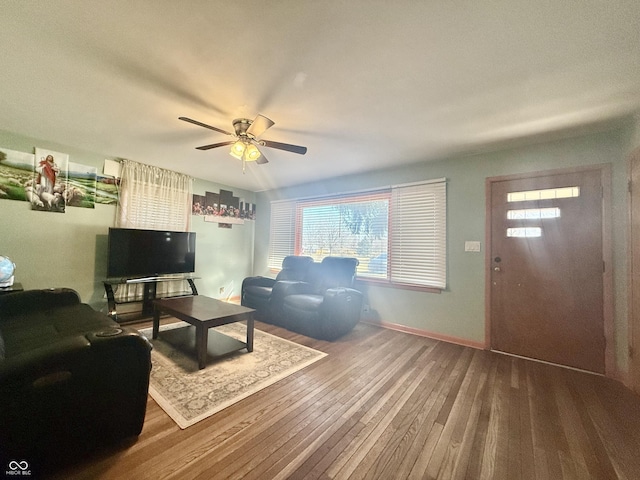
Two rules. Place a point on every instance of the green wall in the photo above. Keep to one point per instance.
(69, 249)
(459, 311)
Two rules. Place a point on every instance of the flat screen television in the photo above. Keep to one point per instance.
(135, 253)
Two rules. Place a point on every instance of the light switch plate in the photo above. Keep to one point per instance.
(471, 246)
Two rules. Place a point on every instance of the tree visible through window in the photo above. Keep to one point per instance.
(347, 227)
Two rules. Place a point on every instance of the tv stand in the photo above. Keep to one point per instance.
(148, 295)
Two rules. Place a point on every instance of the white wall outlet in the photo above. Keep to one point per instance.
(471, 246)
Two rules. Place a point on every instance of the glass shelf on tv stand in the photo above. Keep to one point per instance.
(148, 295)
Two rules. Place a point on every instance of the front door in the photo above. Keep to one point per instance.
(546, 293)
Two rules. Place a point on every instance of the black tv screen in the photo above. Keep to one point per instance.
(136, 253)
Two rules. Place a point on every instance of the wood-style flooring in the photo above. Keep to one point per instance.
(390, 405)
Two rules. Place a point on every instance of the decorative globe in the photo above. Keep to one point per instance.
(7, 267)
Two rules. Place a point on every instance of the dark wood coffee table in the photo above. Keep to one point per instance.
(203, 313)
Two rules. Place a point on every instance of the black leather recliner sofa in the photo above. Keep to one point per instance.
(71, 379)
(314, 299)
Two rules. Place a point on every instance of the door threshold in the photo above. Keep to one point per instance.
(548, 363)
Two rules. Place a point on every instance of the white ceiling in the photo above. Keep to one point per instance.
(364, 84)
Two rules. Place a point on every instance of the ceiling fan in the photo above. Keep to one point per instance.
(245, 144)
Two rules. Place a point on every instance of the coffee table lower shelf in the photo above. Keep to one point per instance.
(218, 344)
(204, 313)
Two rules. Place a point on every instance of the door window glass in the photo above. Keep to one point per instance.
(546, 194)
(533, 213)
(524, 232)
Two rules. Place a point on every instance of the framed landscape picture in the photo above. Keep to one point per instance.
(16, 174)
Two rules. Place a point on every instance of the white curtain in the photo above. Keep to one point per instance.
(153, 198)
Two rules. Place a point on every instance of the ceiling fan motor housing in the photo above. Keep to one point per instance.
(241, 125)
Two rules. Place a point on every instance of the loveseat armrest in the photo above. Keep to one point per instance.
(341, 308)
(27, 301)
(340, 295)
(256, 291)
(119, 337)
(69, 353)
(258, 281)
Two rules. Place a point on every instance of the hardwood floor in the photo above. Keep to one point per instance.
(389, 405)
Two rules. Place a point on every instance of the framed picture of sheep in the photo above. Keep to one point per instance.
(81, 186)
(49, 182)
(16, 174)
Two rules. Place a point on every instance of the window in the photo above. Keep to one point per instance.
(533, 213)
(546, 194)
(346, 227)
(398, 234)
(524, 232)
(526, 215)
(418, 235)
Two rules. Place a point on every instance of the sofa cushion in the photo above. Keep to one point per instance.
(40, 328)
(304, 301)
(302, 314)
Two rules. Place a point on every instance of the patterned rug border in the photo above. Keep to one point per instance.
(184, 422)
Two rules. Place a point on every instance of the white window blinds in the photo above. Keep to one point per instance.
(415, 253)
(418, 234)
(282, 232)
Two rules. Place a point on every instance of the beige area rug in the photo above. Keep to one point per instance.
(189, 395)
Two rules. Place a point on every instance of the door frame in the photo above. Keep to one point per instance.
(607, 254)
(633, 349)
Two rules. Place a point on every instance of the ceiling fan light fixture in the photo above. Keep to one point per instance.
(238, 149)
(251, 153)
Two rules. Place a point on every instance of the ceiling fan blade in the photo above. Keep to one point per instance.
(214, 145)
(284, 146)
(200, 124)
(259, 125)
(261, 159)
